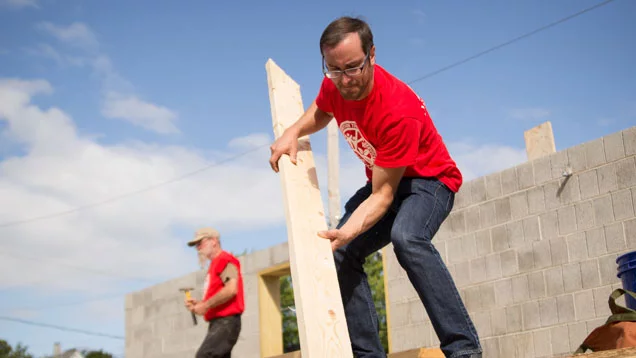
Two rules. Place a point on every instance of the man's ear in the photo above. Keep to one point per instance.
(372, 55)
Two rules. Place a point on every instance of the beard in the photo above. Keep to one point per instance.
(354, 91)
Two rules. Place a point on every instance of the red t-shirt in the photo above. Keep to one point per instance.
(213, 283)
(391, 127)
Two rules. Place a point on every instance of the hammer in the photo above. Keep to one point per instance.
(188, 297)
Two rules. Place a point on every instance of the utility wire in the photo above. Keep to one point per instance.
(60, 328)
(129, 194)
(509, 42)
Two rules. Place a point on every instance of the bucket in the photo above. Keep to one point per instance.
(627, 273)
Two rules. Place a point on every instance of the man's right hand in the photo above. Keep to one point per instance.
(285, 144)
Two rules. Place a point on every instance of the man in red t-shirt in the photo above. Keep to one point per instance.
(411, 186)
(223, 301)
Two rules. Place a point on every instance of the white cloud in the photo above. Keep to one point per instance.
(478, 160)
(529, 113)
(18, 4)
(138, 112)
(48, 51)
(76, 34)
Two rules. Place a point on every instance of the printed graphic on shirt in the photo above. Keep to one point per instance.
(363, 149)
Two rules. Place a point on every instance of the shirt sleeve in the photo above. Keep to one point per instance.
(399, 143)
(323, 100)
(230, 271)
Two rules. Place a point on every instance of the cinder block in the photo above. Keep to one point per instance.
(536, 283)
(279, 253)
(525, 173)
(551, 192)
(590, 274)
(558, 250)
(577, 247)
(490, 347)
(416, 311)
(554, 281)
(519, 205)
(400, 314)
(455, 250)
(583, 301)
(595, 153)
(603, 211)
(525, 254)
(531, 315)
(542, 170)
(614, 148)
(487, 293)
(482, 324)
(484, 244)
(473, 222)
(629, 140)
(257, 261)
(576, 154)
(560, 340)
(509, 263)
(503, 292)
(541, 254)
(536, 200)
(478, 270)
(515, 233)
(458, 223)
(607, 181)
(469, 246)
(541, 338)
(513, 319)
(493, 267)
(623, 205)
(487, 214)
(584, 215)
(502, 210)
(548, 311)
(549, 225)
(596, 245)
(607, 269)
(601, 296)
(493, 185)
(577, 333)
(498, 321)
(626, 173)
(567, 220)
(463, 197)
(462, 274)
(572, 277)
(565, 307)
(558, 163)
(615, 237)
(630, 233)
(478, 190)
(531, 229)
(520, 289)
(508, 346)
(473, 300)
(588, 184)
(509, 182)
(500, 241)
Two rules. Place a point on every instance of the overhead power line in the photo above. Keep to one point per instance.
(60, 328)
(509, 42)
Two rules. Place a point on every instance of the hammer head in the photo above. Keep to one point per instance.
(186, 289)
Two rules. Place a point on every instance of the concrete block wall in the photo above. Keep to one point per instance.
(532, 252)
(159, 326)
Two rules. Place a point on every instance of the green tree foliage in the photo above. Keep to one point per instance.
(375, 274)
(20, 351)
(96, 354)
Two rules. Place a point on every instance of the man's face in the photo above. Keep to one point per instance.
(207, 246)
(349, 54)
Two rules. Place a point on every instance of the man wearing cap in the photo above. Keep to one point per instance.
(223, 301)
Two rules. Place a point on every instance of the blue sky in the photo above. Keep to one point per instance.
(98, 99)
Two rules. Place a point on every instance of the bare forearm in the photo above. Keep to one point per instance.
(224, 295)
(311, 122)
(367, 214)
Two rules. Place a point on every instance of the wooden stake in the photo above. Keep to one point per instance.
(332, 173)
(539, 141)
(322, 326)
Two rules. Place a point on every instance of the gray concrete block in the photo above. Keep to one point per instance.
(590, 274)
(565, 308)
(520, 289)
(584, 215)
(487, 292)
(500, 241)
(615, 237)
(577, 158)
(525, 345)
(623, 204)
(478, 270)
(567, 220)
(514, 321)
(614, 148)
(478, 190)
(508, 346)
(503, 292)
(487, 214)
(542, 170)
(569, 191)
(493, 267)
(583, 302)
(607, 269)
(541, 254)
(577, 333)
(493, 185)
(515, 234)
(502, 210)
(490, 347)
(549, 225)
(455, 250)
(558, 250)
(484, 243)
(558, 163)
(572, 277)
(541, 339)
(462, 274)
(400, 314)
(596, 245)
(607, 181)
(257, 261)
(531, 315)
(473, 300)
(498, 321)
(531, 229)
(509, 263)
(525, 174)
(603, 210)
(481, 320)
(560, 340)
(588, 184)
(536, 283)
(629, 140)
(458, 223)
(473, 221)
(577, 247)
(463, 197)
(554, 281)
(280, 253)
(595, 153)
(536, 200)
(525, 255)
(601, 296)
(551, 192)
(519, 205)
(469, 246)
(630, 233)
(417, 314)
(548, 311)
(626, 173)
(509, 181)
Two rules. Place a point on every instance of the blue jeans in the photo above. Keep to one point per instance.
(419, 208)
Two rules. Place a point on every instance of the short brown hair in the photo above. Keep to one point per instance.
(337, 29)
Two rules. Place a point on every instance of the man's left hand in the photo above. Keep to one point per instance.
(200, 308)
(338, 238)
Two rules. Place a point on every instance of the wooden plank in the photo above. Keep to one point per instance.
(614, 353)
(270, 318)
(419, 353)
(539, 141)
(333, 165)
(322, 325)
(387, 306)
(294, 354)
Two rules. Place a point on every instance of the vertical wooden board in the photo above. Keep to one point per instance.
(333, 168)
(539, 141)
(322, 326)
(270, 318)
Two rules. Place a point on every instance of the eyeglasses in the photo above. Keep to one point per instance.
(351, 72)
